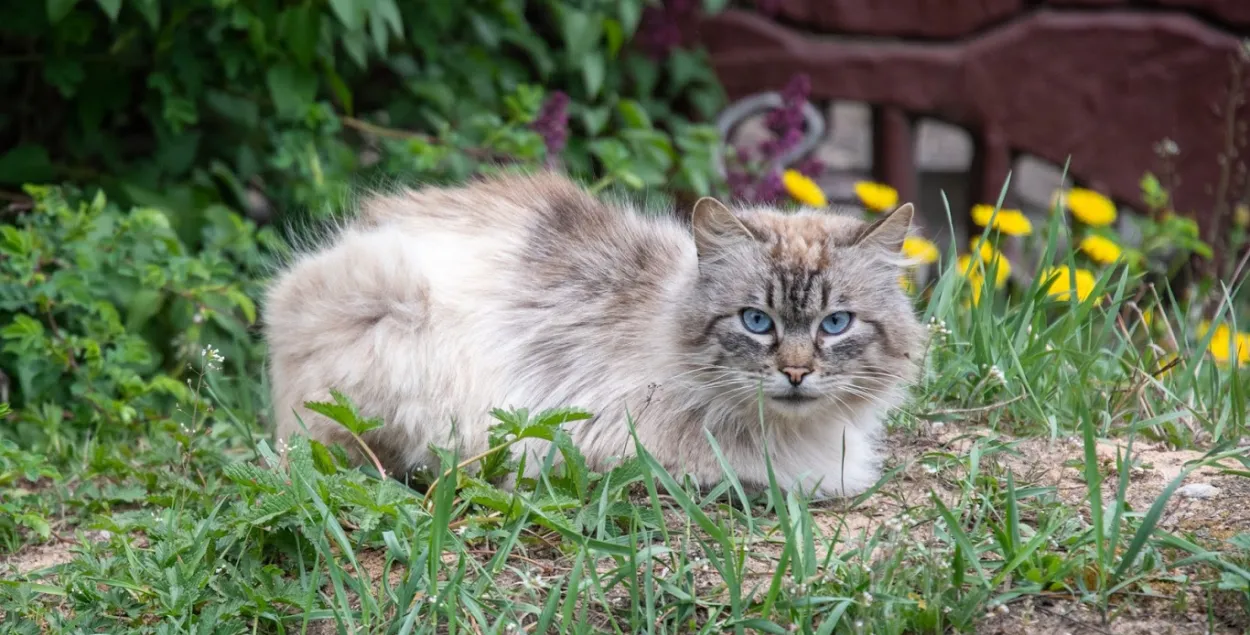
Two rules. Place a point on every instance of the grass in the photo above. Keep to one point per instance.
(1026, 489)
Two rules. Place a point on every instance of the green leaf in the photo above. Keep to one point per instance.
(581, 32)
(244, 303)
(388, 11)
(23, 326)
(343, 412)
(633, 114)
(349, 12)
(487, 31)
(58, 9)
(300, 27)
(26, 164)
(37, 524)
(615, 36)
(292, 89)
(593, 69)
(711, 7)
(684, 68)
(111, 8)
(630, 12)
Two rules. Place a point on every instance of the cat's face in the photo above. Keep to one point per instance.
(806, 305)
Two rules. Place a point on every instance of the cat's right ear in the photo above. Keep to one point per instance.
(716, 227)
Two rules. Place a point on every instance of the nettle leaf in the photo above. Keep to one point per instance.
(344, 412)
(560, 416)
(23, 327)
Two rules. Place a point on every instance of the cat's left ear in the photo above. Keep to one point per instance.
(715, 227)
(890, 231)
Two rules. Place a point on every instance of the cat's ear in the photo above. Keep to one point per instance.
(715, 226)
(890, 231)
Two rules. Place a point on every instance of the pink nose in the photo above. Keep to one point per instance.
(796, 374)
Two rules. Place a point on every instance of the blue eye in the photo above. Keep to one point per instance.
(837, 322)
(756, 321)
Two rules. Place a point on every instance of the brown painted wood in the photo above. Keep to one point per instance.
(893, 151)
(1103, 86)
(899, 18)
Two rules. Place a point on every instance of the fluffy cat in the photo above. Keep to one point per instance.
(434, 306)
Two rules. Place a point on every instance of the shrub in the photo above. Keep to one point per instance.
(109, 314)
(286, 107)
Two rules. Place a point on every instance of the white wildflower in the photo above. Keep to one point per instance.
(212, 357)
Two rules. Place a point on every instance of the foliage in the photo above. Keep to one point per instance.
(278, 108)
(108, 313)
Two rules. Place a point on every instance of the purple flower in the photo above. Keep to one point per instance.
(763, 184)
(770, 188)
(811, 167)
(659, 30)
(552, 123)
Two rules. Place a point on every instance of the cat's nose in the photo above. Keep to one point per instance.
(796, 374)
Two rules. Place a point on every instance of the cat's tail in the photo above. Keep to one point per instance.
(333, 313)
(327, 298)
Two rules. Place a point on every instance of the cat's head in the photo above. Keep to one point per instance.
(808, 304)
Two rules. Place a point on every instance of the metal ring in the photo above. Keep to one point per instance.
(738, 112)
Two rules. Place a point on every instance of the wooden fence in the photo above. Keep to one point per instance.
(1102, 81)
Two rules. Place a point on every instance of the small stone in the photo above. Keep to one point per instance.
(1199, 490)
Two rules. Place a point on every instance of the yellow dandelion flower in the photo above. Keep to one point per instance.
(968, 268)
(1226, 346)
(975, 270)
(1101, 250)
(1059, 282)
(920, 249)
(1012, 222)
(1090, 207)
(803, 189)
(989, 256)
(877, 197)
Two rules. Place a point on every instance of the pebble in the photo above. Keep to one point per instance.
(1199, 490)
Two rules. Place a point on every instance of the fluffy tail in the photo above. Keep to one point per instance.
(330, 316)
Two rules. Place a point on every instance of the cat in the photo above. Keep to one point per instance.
(433, 306)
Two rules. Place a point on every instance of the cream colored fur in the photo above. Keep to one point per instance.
(434, 306)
